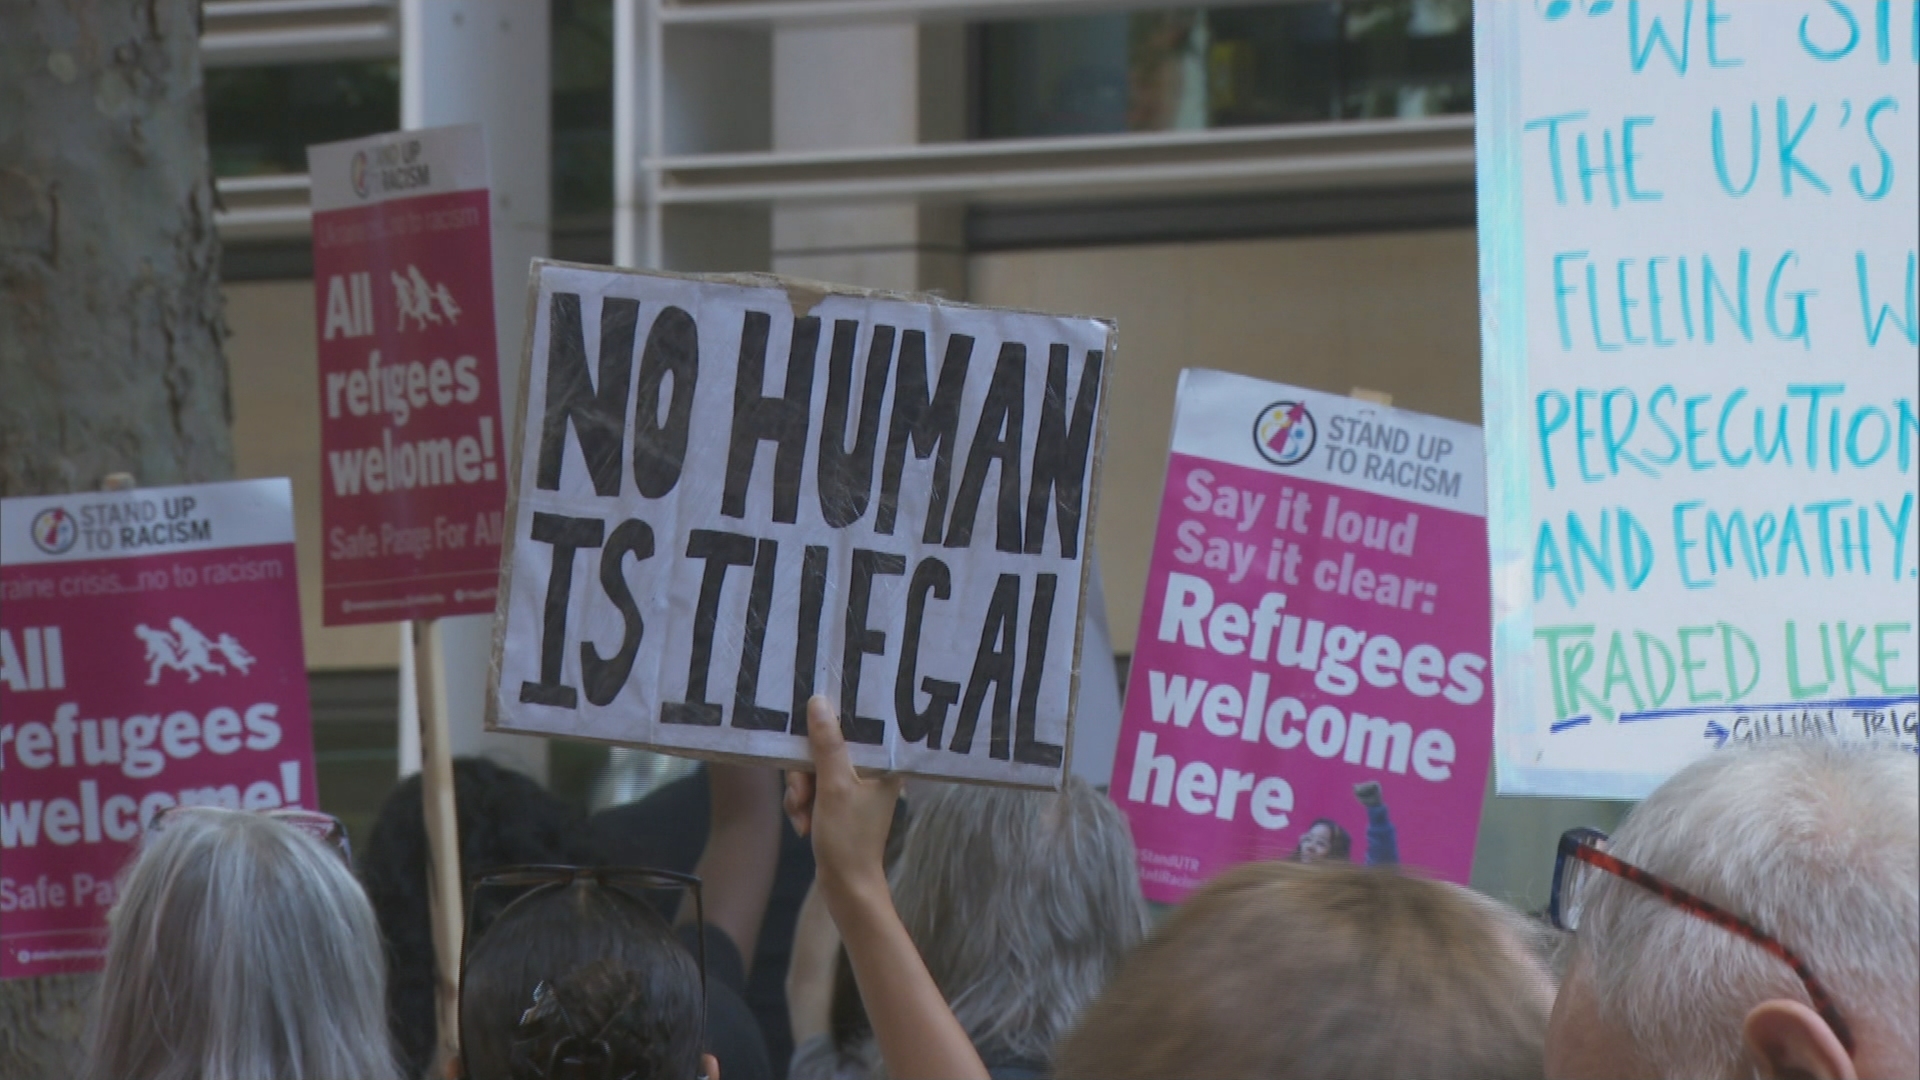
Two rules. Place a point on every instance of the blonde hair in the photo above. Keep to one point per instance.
(1325, 970)
(241, 949)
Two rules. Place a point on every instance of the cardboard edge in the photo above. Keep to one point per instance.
(1090, 520)
(490, 712)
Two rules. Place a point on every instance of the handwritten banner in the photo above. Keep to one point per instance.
(1698, 225)
(736, 493)
(1311, 666)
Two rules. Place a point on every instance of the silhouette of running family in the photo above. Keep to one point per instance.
(190, 652)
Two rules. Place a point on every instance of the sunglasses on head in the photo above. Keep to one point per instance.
(322, 827)
(577, 1054)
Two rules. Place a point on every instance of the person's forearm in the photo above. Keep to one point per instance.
(743, 850)
(918, 1036)
(810, 969)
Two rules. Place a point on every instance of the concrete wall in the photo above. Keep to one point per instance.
(1394, 312)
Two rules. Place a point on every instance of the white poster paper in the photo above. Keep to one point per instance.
(1698, 226)
(737, 492)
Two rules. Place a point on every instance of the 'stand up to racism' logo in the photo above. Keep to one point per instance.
(55, 530)
(1284, 433)
(358, 173)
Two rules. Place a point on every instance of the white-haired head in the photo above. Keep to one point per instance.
(241, 948)
(1023, 904)
(1815, 842)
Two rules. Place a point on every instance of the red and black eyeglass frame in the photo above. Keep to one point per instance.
(1584, 845)
(540, 878)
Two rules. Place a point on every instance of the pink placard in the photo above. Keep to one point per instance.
(150, 655)
(413, 481)
(1316, 619)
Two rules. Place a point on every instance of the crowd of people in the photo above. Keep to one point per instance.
(1758, 915)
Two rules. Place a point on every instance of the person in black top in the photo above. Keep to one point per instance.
(668, 829)
(506, 818)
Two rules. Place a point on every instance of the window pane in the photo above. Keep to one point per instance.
(260, 119)
(1221, 67)
(582, 51)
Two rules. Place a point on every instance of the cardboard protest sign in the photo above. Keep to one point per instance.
(1311, 667)
(413, 479)
(738, 492)
(1697, 227)
(150, 656)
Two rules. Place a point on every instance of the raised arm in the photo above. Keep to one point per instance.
(1383, 841)
(848, 819)
(810, 969)
(743, 849)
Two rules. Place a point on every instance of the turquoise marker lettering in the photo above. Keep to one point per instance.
(1627, 303)
(1666, 394)
(1829, 54)
(1790, 162)
(1562, 290)
(1552, 126)
(1630, 159)
(1547, 424)
(1880, 190)
(1823, 516)
(1726, 414)
(1778, 446)
(1876, 323)
(1656, 326)
(1715, 20)
(1710, 285)
(1640, 46)
(1813, 392)
(1797, 298)
(1855, 456)
(1682, 544)
(1753, 152)
(1593, 312)
(1586, 170)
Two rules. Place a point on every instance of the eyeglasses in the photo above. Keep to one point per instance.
(632, 883)
(1584, 850)
(322, 827)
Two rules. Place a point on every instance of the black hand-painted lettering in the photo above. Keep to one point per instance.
(916, 724)
(930, 422)
(995, 440)
(746, 688)
(993, 669)
(806, 637)
(567, 535)
(660, 449)
(1027, 747)
(779, 420)
(602, 678)
(1060, 453)
(722, 551)
(863, 641)
(846, 476)
(573, 397)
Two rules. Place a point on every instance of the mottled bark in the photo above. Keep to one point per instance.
(110, 318)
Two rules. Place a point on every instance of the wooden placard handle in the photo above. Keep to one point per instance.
(445, 894)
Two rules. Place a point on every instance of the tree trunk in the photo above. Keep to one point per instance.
(110, 314)
(110, 311)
